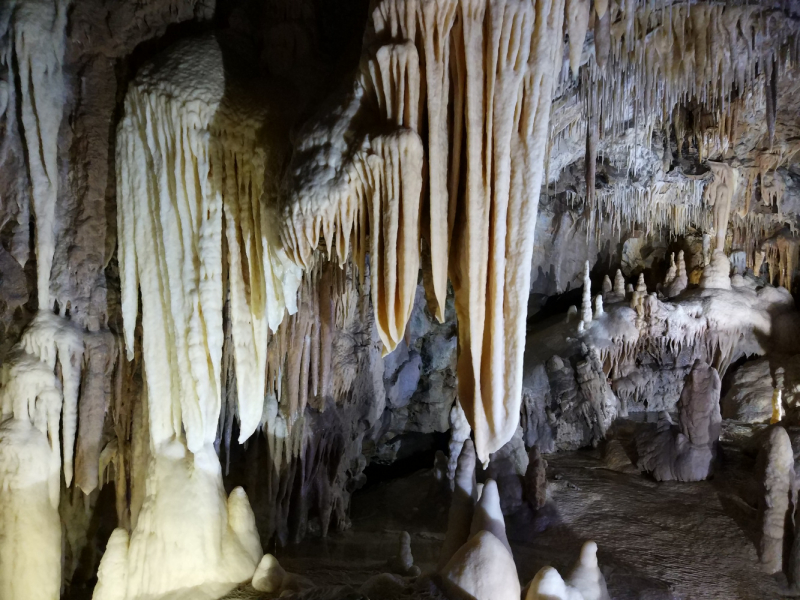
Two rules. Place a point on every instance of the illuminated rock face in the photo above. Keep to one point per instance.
(204, 268)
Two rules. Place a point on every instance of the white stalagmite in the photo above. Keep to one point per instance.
(617, 293)
(607, 286)
(30, 462)
(585, 581)
(586, 576)
(775, 468)
(483, 567)
(586, 299)
(598, 306)
(719, 194)
(459, 433)
(619, 284)
(672, 272)
(33, 405)
(188, 536)
(39, 35)
(504, 58)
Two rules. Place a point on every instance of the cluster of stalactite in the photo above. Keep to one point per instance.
(456, 98)
(306, 365)
(653, 71)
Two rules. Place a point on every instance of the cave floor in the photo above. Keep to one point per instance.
(656, 540)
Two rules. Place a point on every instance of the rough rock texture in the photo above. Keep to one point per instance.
(775, 469)
(647, 198)
(749, 398)
(685, 452)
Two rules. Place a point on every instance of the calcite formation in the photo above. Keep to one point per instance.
(502, 68)
(688, 452)
(257, 254)
(776, 471)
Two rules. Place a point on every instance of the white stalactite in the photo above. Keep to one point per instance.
(181, 118)
(505, 57)
(39, 36)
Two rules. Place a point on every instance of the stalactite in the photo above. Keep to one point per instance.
(182, 298)
(591, 158)
(39, 37)
(602, 33)
(503, 71)
(100, 356)
(577, 19)
(771, 96)
(436, 21)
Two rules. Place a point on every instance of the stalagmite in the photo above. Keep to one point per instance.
(598, 306)
(535, 481)
(483, 567)
(586, 576)
(188, 535)
(586, 298)
(403, 562)
(585, 581)
(775, 467)
(607, 287)
(462, 505)
(618, 292)
(488, 516)
(572, 312)
(269, 575)
(672, 272)
(717, 273)
(30, 462)
(459, 433)
(719, 194)
(679, 282)
(548, 585)
(686, 452)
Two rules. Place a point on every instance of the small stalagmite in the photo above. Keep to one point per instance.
(775, 468)
(586, 300)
